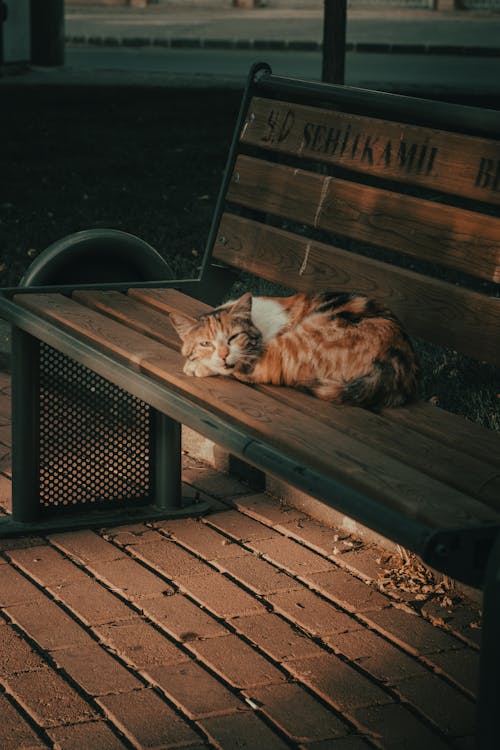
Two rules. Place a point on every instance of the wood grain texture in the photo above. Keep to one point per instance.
(137, 316)
(446, 428)
(446, 314)
(453, 237)
(302, 438)
(169, 300)
(458, 164)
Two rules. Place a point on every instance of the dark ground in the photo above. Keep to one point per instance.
(149, 162)
(146, 162)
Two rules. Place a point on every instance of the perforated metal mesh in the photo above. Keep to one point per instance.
(94, 438)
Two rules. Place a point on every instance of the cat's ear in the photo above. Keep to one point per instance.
(243, 305)
(182, 323)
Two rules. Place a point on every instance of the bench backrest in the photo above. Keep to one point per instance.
(344, 189)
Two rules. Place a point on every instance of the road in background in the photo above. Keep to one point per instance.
(390, 72)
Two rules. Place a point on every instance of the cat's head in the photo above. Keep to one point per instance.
(221, 341)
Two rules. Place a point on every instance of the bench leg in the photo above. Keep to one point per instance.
(30, 512)
(489, 680)
(25, 426)
(169, 499)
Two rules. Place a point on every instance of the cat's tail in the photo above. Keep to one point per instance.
(384, 386)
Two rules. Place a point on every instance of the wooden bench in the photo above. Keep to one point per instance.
(325, 187)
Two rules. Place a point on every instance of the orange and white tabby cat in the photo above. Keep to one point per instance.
(341, 347)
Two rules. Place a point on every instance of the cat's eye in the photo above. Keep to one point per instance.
(235, 336)
(205, 343)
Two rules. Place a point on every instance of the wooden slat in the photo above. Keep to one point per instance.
(451, 316)
(474, 476)
(449, 429)
(140, 317)
(169, 300)
(304, 439)
(440, 457)
(456, 238)
(458, 164)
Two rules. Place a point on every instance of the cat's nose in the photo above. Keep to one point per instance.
(223, 351)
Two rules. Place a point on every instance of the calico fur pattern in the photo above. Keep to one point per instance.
(341, 347)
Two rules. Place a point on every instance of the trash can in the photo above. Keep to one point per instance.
(85, 451)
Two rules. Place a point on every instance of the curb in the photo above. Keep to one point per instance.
(281, 44)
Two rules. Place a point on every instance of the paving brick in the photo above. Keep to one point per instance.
(49, 699)
(236, 662)
(250, 730)
(337, 682)
(48, 624)
(5, 493)
(92, 734)
(15, 732)
(276, 637)
(6, 435)
(268, 510)
(365, 560)
(15, 588)
(257, 574)
(147, 720)
(95, 670)
(129, 576)
(16, 654)
(411, 631)
(354, 742)
(168, 558)
(195, 690)
(375, 655)
(291, 556)
(182, 618)
(316, 535)
(86, 545)
(311, 612)
(452, 712)
(221, 596)
(201, 539)
(130, 534)
(20, 542)
(6, 460)
(395, 728)
(349, 592)
(140, 643)
(297, 713)
(92, 603)
(239, 526)
(464, 618)
(213, 482)
(461, 665)
(46, 565)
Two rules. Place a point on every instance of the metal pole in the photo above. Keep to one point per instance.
(334, 38)
(3, 18)
(489, 675)
(167, 462)
(25, 426)
(47, 32)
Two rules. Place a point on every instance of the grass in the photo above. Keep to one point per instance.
(150, 162)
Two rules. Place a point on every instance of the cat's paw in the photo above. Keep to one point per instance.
(197, 369)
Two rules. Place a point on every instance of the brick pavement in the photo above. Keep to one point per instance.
(253, 627)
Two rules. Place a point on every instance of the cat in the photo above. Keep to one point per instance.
(341, 347)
